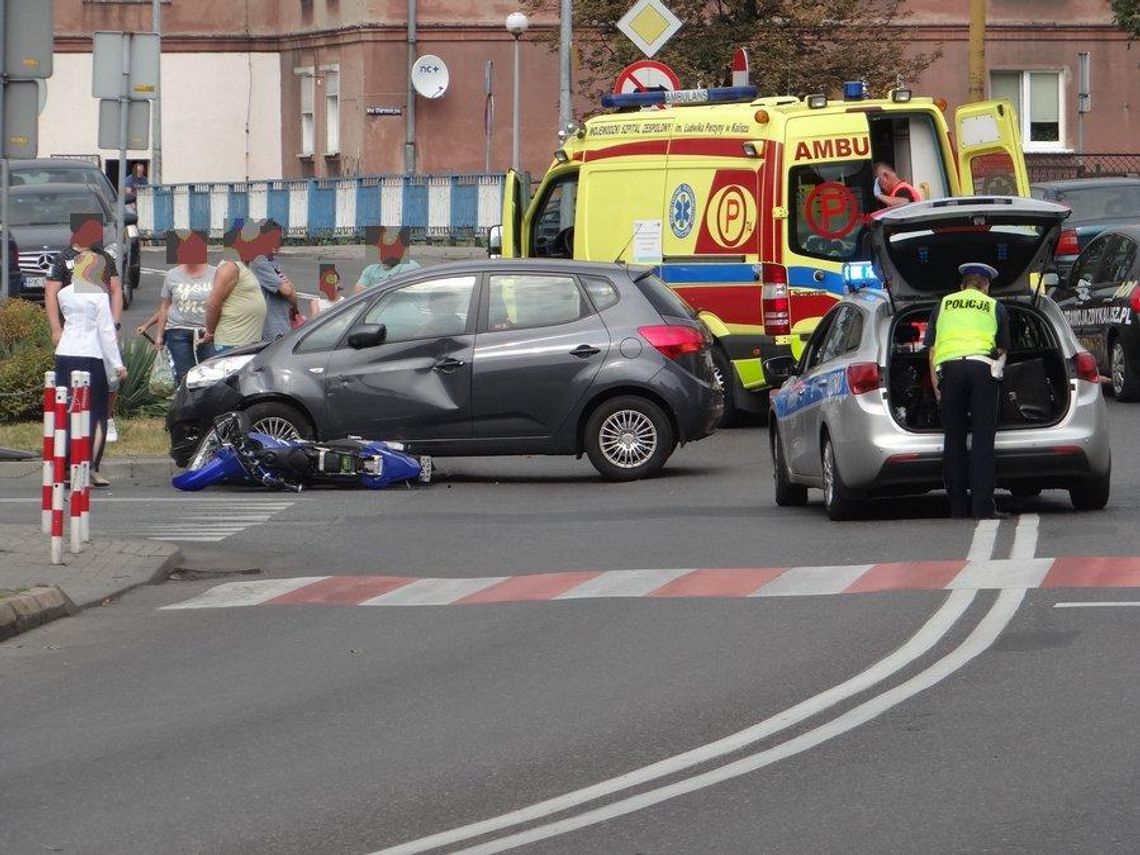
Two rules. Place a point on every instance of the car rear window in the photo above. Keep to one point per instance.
(1104, 202)
(664, 299)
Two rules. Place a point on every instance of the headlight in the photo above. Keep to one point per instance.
(215, 370)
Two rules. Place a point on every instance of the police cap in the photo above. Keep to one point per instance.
(977, 268)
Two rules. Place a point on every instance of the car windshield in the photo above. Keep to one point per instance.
(1103, 202)
(54, 175)
(43, 209)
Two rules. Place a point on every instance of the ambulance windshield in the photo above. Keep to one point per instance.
(830, 203)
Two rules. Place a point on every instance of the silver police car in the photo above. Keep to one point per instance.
(857, 417)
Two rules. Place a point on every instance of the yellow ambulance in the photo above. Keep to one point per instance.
(748, 206)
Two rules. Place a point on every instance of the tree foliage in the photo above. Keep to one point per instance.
(1126, 14)
(794, 47)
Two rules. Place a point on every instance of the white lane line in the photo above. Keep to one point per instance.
(984, 635)
(433, 592)
(813, 581)
(1025, 538)
(153, 270)
(1105, 605)
(249, 593)
(929, 634)
(623, 583)
(985, 537)
(1002, 573)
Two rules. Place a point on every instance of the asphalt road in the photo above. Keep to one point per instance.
(974, 720)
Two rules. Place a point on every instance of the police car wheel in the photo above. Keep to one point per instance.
(628, 438)
(1125, 383)
(787, 493)
(835, 499)
(1093, 495)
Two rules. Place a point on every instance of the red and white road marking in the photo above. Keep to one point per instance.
(982, 574)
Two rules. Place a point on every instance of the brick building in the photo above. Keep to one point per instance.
(260, 89)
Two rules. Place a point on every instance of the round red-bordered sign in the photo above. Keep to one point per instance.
(646, 75)
(838, 213)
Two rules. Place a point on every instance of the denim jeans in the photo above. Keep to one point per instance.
(180, 343)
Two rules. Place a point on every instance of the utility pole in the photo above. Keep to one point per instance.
(565, 107)
(977, 50)
(4, 284)
(410, 109)
(156, 116)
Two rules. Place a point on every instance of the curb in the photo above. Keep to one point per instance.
(112, 467)
(33, 608)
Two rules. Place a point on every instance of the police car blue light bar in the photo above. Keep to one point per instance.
(860, 274)
(718, 95)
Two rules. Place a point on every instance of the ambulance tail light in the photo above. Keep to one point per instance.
(1069, 244)
(674, 341)
(774, 299)
(862, 377)
(1085, 365)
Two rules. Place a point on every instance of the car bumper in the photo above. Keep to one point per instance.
(191, 416)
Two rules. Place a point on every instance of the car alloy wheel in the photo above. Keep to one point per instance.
(277, 427)
(1125, 385)
(835, 500)
(628, 439)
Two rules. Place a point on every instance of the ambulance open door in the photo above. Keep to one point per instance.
(513, 204)
(990, 159)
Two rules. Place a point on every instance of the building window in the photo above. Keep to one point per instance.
(332, 110)
(1036, 96)
(308, 119)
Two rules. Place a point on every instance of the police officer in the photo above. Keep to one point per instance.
(966, 333)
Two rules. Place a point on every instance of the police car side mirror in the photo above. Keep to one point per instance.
(777, 369)
(495, 242)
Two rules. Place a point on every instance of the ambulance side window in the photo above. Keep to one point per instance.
(828, 205)
(552, 229)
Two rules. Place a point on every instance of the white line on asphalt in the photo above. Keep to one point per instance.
(986, 632)
(153, 270)
(623, 583)
(1105, 605)
(433, 592)
(985, 536)
(1025, 538)
(812, 581)
(1002, 573)
(250, 593)
(929, 634)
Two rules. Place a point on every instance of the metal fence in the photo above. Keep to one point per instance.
(1059, 167)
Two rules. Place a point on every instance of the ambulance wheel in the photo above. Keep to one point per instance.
(788, 495)
(279, 420)
(628, 438)
(1125, 383)
(726, 375)
(836, 499)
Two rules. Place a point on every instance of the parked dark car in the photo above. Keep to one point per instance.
(15, 277)
(1097, 203)
(66, 170)
(480, 358)
(40, 218)
(1101, 301)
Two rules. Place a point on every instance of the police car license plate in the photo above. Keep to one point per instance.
(34, 282)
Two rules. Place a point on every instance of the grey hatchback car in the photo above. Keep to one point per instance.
(858, 417)
(480, 358)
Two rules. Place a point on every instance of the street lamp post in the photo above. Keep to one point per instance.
(516, 25)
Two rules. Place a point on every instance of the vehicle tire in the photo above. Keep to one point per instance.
(1125, 383)
(836, 500)
(788, 495)
(1025, 492)
(1091, 495)
(279, 419)
(726, 374)
(628, 438)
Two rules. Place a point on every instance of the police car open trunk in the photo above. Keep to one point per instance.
(919, 248)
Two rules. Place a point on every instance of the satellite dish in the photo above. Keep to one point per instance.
(430, 76)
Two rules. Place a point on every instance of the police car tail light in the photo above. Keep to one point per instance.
(862, 377)
(1068, 244)
(673, 341)
(774, 299)
(1085, 364)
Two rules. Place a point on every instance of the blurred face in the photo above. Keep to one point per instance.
(86, 230)
(192, 250)
(887, 178)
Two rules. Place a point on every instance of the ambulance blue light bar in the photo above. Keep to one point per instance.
(718, 95)
(854, 90)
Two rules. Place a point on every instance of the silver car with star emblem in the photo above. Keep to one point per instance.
(857, 417)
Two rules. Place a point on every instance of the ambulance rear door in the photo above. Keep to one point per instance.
(513, 203)
(990, 159)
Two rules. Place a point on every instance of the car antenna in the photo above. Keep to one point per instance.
(621, 251)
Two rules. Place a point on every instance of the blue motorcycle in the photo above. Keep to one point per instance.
(233, 454)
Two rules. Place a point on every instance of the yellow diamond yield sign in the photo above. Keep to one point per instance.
(649, 24)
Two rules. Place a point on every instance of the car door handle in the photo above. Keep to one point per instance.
(316, 370)
(449, 363)
(584, 350)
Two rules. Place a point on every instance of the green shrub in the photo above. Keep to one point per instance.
(22, 382)
(22, 324)
(136, 397)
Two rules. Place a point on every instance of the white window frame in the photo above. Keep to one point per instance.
(307, 79)
(331, 76)
(1023, 111)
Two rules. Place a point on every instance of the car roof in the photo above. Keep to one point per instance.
(40, 162)
(1078, 183)
(54, 189)
(1130, 231)
(524, 265)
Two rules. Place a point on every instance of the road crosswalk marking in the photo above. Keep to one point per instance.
(198, 519)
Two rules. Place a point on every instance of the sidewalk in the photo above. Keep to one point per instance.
(33, 591)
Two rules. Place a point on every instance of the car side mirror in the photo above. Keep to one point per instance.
(369, 335)
(777, 369)
(495, 242)
(130, 218)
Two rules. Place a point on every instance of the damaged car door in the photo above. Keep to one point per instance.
(404, 371)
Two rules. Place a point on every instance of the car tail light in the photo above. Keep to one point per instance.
(1134, 300)
(1085, 363)
(862, 377)
(674, 341)
(774, 299)
(1068, 244)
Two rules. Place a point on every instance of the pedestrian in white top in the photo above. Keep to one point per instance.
(86, 341)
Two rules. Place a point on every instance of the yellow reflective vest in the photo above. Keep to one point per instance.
(966, 326)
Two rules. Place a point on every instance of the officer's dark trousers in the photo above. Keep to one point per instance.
(969, 399)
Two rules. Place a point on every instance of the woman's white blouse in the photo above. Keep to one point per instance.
(88, 328)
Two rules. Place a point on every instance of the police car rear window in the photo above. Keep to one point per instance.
(664, 299)
(829, 203)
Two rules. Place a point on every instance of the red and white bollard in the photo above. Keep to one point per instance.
(76, 467)
(49, 448)
(85, 459)
(59, 462)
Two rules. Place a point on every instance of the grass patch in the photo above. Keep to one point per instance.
(137, 438)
